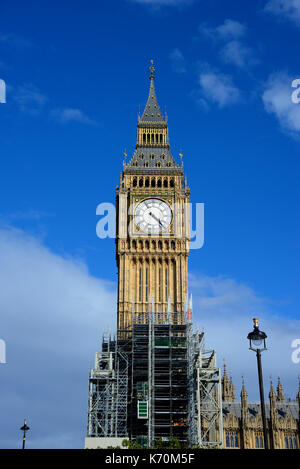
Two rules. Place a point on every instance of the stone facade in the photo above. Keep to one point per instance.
(242, 422)
(152, 266)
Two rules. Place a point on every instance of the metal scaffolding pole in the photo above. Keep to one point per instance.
(150, 375)
(209, 401)
(157, 381)
(108, 385)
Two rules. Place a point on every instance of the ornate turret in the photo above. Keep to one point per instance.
(152, 149)
(280, 394)
(232, 390)
(244, 416)
(244, 394)
(228, 392)
(244, 401)
(273, 425)
(298, 395)
(272, 395)
(152, 113)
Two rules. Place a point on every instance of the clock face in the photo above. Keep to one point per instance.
(153, 216)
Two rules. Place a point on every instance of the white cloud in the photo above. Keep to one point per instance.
(177, 61)
(289, 9)
(277, 100)
(233, 50)
(66, 115)
(225, 308)
(218, 88)
(52, 314)
(230, 29)
(236, 53)
(30, 99)
(15, 40)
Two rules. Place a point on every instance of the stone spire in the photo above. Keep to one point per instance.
(244, 394)
(152, 149)
(232, 389)
(298, 394)
(226, 389)
(152, 112)
(280, 394)
(244, 416)
(272, 396)
(273, 423)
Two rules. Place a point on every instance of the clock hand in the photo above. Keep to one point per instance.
(157, 219)
(163, 226)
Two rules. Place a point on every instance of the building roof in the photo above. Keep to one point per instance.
(146, 158)
(152, 113)
(283, 408)
(148, 155)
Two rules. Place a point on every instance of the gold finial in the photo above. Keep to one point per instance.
(255, 322)
(124, 155)
(152, 69)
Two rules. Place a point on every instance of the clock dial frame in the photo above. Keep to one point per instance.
(153, 216)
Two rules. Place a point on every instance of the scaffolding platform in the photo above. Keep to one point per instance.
(156, 381)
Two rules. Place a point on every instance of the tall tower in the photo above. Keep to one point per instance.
(152, 235)
(153, 380)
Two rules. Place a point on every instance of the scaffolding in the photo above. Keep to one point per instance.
(107, 398)
(208, 400)
(157, 381)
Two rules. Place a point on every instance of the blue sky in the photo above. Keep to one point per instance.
(76, 74)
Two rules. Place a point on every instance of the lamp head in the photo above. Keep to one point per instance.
(257, 338)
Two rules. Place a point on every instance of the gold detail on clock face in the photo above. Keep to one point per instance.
(153, 216)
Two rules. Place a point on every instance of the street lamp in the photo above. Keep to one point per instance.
(257, 341)
(24, 429)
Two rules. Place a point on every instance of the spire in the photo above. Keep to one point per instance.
(244, 394)
(273, 407)
(272, 394)
(232, 390)
(152, 113)
(152, 149)
(298, 394)
(280, 394)
(226, 394)
(244, 405)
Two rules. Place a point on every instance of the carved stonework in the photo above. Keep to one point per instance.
(245, 419)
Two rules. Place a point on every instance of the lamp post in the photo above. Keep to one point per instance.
(24, 429)
(257, 341)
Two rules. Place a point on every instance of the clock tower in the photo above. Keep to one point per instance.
(152, 230)
(150, 379)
